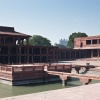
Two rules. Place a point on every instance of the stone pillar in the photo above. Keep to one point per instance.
(80, 54)
(47, 55)
(63, 78)
(22, 41)
(19, 55)
(27, 54)
(27, 41)
(56, 55)
(98, 53)
(75, 55)
(5, 40)
(40, 54)
(91, 53)
(65, 55)
(86, 54)
(18, 41)
(85, 81)
(97, 41)
(77, 69)
(63, 83)
(69, 54)
(14, 41)
(8, 55)
(32, 55)
(91, 41)
(0, 40)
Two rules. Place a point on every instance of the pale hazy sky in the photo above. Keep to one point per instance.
(53, 19)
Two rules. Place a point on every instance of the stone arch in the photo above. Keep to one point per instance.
(83, 53)
(2, 40)
(62, 55)
(73, 54)
(9, 40)
(95, 53)
(77, 54)
(68, 54)
(88, 53)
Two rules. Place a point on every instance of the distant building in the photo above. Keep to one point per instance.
(63, 42)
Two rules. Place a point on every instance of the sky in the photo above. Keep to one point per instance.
(53, 19)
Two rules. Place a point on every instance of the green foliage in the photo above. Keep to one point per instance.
(37, 40)
(59, 45)
(74, 35)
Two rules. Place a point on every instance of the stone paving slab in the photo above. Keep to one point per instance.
(80, 62)
(85, 92)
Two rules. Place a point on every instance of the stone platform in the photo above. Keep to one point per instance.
(85, 92)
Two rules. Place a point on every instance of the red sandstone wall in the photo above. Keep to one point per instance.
(78, 41)
(30, 72)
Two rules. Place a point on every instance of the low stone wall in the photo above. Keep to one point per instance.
(28, 74)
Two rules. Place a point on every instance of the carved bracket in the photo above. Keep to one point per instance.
(63, 77)
(85, 81)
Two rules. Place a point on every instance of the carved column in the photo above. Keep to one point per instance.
(18, 41)
(64, 55)
(47, 55)
(8, 55)
(17, 61)
(91, 53)
(27, 41)
(91, 41)
(85, 81)
(19, 55)
(77, 69)
(5, 40)
(75, 55)
(22, 41)
(97, 41)
(14, 41)
(85, 53)
(0, 40)
(56, 55)
(32, 55)
(98, 53)
(80, 54)
(41, 54)
(27, 54)
(63, 78)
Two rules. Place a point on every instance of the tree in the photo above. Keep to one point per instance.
(74, 35)
(37, 40)
(59, 45)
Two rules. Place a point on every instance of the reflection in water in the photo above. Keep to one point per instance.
(6, 90)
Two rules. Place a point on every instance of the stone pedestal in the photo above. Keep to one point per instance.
(64, 79)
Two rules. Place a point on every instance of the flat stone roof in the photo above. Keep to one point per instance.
(85, 92)
(89, 47)
(26, 65)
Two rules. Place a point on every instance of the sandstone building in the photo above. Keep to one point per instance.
(14, 50)
(18, 59)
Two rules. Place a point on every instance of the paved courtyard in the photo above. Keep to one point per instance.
(81, 62)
